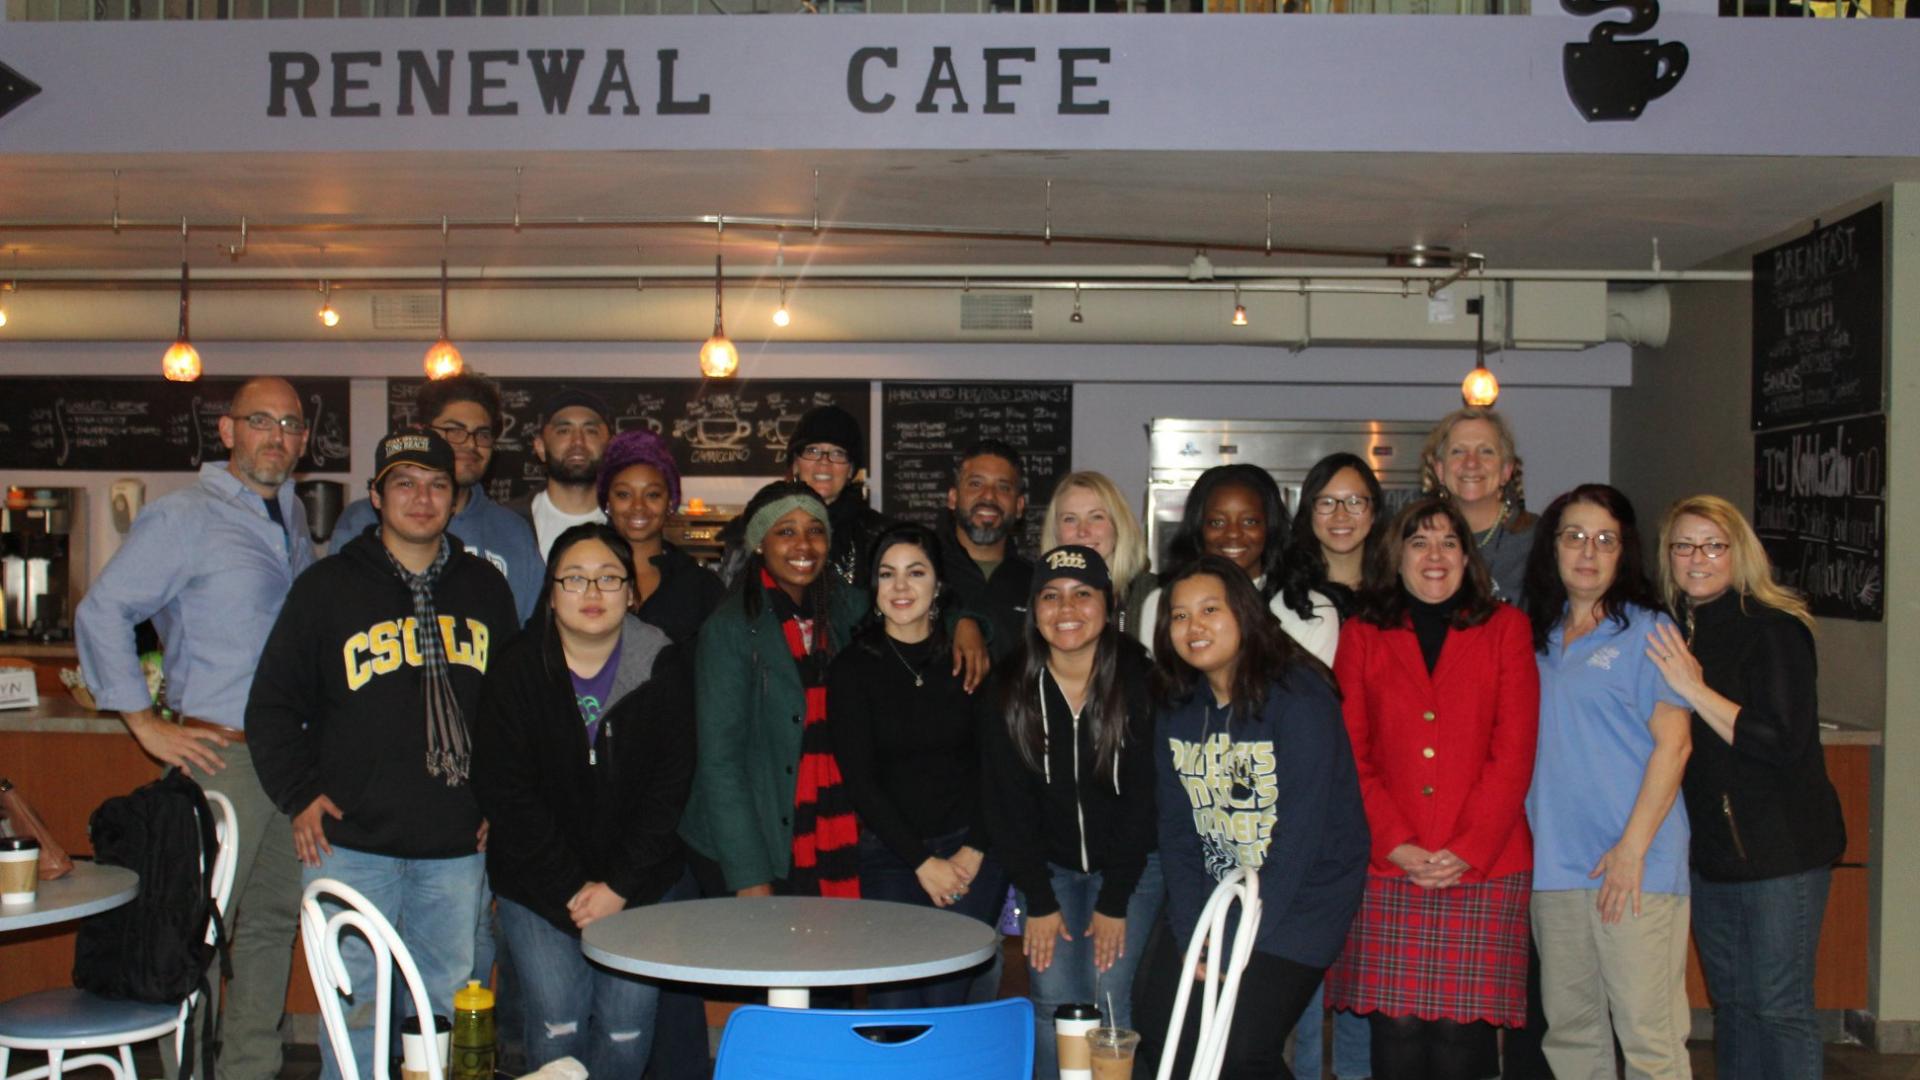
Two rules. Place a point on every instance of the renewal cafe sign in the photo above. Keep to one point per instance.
(881, 82)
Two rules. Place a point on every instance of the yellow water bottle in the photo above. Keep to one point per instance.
(473, 1041)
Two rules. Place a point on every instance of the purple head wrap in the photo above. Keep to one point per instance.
(640, 447)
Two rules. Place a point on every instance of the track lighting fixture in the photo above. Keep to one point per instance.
(182, 361)
(329, 315)
(1076, 316)
(1479, 389)
(1239, 309)
(781, 316)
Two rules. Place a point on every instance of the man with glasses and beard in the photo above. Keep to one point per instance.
(211, 566)
(465, 411)
(573, 437)
(986, 501)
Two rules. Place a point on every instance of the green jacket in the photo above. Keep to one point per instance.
(751, 706)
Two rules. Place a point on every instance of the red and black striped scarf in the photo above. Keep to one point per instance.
(826, 834)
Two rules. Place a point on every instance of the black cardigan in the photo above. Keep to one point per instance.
(686, 595)
(564, 814)
(1761, 807)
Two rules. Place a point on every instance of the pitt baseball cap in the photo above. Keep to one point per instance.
(1072, 561)
(411, 446)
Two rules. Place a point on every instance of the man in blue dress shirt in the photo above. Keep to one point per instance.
(211, 566)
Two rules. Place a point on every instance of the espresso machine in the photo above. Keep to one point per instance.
(42, 562)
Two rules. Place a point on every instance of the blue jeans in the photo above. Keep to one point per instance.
(574, 1008)
(434, 904)
(1071, 977)
(884, 876)
(1352, 1043)
(1757, 941)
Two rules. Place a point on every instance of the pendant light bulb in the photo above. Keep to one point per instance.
(443, 360)
(328, 314)
(3, 315)
(1480, 389)
(1076, 317)
(781, 316)
(1239, 309)
(182, 361)
(718, 357)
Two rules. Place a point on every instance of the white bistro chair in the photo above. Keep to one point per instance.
(60, 1022)
(1223, 980)
(321, 934)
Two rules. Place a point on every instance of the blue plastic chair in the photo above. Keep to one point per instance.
(993, 1041)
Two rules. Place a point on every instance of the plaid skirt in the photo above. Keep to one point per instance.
(1457, 954)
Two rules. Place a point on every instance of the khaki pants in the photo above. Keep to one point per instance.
(1633, 971)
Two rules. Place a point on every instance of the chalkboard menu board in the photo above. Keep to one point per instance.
(149, 425)
(926, 425)
(1818, 316)
(1820, 507)
(717, 428)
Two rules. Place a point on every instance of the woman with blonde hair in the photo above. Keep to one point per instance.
(1471, 460)
(1088, 509)
(1766, 821)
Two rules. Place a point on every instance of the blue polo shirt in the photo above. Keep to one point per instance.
(1596, 699)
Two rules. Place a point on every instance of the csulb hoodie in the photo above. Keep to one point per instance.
(337, 708)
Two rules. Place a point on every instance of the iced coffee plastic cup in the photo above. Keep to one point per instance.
(1112, 1050)
(19, 869)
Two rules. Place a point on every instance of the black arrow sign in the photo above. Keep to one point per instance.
(15, 88)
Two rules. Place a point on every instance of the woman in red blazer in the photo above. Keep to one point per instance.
(1442, 700)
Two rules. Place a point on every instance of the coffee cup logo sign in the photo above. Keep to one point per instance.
(1066, 560)
(1614, 80)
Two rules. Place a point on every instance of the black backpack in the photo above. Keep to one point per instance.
(155, 948)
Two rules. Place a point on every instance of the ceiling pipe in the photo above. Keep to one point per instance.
(1000, 276)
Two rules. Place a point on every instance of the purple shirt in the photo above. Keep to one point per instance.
(591, 692)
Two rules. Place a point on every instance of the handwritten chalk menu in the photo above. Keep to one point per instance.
(717, 429)
(149, 425)
(926, 425)
(1818, 315)
(1820, 501)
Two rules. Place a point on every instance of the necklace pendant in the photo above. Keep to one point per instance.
(918, 681)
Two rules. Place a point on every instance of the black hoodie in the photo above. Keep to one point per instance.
(565, 813)
(336, 706)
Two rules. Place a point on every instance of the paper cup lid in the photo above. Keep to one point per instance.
(411, 1025)
(1078, 1010)
(19, 843)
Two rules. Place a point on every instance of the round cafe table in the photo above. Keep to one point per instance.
(89, 890)
(788, 944)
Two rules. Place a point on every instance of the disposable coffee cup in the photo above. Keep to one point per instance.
(1071, 1023)
(19, 869)
(413, 1048)
(1112, 1051)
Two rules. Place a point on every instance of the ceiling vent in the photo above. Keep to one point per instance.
(996, 311)
(406, 311)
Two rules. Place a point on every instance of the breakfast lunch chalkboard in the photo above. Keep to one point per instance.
(1819, 307)
(1820, 507)
(733, 428)
(149, 425)
(926, 425)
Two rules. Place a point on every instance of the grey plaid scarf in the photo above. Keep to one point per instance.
(447, 752)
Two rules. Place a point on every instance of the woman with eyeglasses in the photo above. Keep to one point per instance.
(1335, 529)
(1610, 890)
(905, 735)
(639, 488)
(582, 761)
(1236, 512)
(1441, 698)
(1088, 509)
(828, 453)
(1766, 820)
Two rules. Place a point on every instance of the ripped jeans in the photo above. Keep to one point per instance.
(575, 1008)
